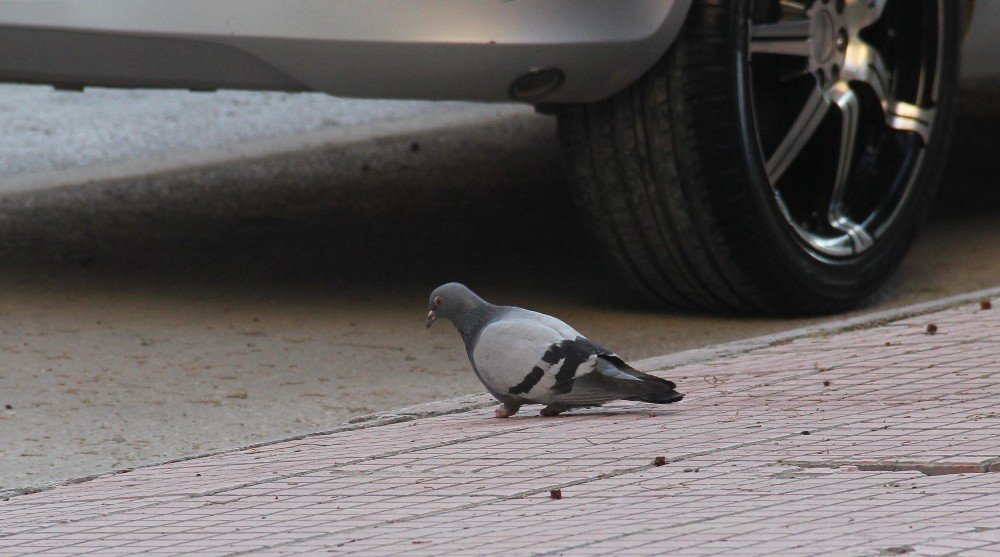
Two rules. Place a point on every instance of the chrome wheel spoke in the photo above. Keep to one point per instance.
(865, 64)
(850, 112)
(783, 37)
(799, 134)
(860, 238)
(911, 118)
(871, 12)
(794, 6)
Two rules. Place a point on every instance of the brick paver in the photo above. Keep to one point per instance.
(877, 441)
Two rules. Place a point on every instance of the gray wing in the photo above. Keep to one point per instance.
(525, 358)
(521, 358)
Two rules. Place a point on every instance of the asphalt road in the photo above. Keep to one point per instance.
(148, 318)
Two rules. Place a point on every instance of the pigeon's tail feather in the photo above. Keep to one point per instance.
(614, 380)
(665, 397)
(653, 389)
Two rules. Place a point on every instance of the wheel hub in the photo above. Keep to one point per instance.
(832, 25)
(824, 37)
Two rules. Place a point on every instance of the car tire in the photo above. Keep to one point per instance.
(778, 159)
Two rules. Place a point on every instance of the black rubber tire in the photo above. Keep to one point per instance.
(669, 178)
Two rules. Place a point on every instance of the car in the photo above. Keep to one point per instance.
(768, 156)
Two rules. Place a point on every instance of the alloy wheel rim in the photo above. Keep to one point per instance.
(843, 94)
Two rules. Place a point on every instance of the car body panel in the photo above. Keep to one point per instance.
(415, 49)
(430, 49)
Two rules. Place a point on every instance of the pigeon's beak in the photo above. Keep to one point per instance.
(431, 317)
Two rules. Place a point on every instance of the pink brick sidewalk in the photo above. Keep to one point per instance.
(871, 442)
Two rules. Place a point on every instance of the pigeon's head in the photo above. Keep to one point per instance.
(450, 301)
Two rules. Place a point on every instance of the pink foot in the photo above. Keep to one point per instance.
(506, 410)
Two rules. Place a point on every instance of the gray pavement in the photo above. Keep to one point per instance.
(247, 298)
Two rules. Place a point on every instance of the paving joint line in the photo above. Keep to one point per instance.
(193, 495)
(367, 459)
(498, 499)
(388, 420)
(690, 523)
(812, 431)
(527, 493)
(957, 552)
(859, 421)
(850, 512)
(901, 465)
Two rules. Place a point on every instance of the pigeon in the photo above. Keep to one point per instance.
(526, 357)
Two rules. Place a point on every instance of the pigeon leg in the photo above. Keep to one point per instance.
(506, 410)
(553, 410)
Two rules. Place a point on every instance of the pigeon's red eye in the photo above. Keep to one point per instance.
(438, 300)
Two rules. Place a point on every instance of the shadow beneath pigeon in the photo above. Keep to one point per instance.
(530, 413)
(651, 412)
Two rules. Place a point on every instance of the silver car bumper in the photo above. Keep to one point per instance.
(429, 49)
